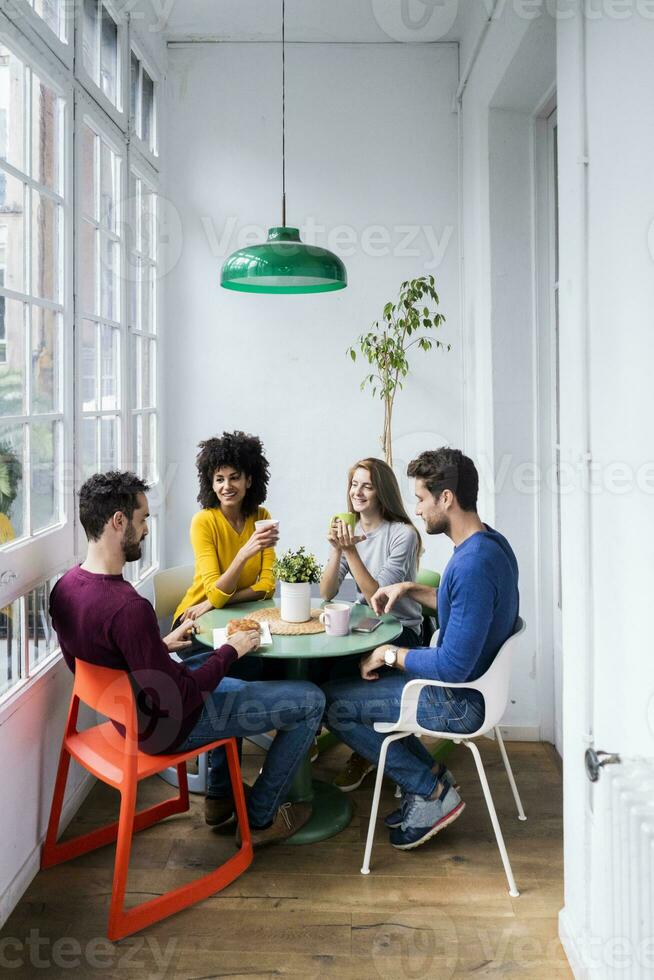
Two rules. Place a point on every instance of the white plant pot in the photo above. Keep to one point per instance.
(296, 601)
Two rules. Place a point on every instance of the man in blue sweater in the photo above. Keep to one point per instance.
(477, 612)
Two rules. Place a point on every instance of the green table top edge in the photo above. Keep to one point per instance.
(311, 646)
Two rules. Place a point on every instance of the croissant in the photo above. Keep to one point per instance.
(235, 625)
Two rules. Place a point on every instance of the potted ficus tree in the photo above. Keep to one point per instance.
(388, 342)
(296, 571)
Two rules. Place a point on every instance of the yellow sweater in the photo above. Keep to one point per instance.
(215, 545)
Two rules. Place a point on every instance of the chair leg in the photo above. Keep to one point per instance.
(121, 861)
(239, 795)
(48, 854)
(509, 772)
(381, 764)
(513, 891)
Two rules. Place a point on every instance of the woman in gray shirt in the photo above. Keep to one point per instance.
(383, 548)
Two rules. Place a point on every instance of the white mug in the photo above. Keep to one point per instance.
(336, 618)
(265, 524)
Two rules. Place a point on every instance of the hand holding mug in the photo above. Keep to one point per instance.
(266, 537)
(342, 535)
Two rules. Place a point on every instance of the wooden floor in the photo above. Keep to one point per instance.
(438, 912)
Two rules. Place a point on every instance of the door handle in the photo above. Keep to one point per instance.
(594, 761)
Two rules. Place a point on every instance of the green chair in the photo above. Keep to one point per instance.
(426, 576)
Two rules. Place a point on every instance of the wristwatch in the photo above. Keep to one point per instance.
(390, 657)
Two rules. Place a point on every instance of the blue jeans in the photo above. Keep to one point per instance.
(353, 706)
(241, 708)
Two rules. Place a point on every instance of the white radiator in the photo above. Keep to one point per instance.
(624, 905)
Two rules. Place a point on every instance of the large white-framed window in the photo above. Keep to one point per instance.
(36, 401)
(78, 300)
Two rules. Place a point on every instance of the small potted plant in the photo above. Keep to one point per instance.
(296, 571)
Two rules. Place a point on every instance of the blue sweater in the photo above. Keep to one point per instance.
(477, 610)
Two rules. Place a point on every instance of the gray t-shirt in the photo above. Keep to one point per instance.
(390, 553)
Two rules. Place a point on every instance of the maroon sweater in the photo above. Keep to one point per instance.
(102, 619)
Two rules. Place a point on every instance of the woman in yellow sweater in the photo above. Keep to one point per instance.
(233, 561)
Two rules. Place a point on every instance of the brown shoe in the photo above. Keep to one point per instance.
(290, 817)
(220, 811)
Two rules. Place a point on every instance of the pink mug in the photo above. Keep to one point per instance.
(336, 618)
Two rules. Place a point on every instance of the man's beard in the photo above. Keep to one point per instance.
(131, 544)
(440, 525)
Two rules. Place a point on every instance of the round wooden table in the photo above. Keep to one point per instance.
(332, 809)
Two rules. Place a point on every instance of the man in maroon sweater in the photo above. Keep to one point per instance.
(101, 618)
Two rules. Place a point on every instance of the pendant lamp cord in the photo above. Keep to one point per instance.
(283, 115)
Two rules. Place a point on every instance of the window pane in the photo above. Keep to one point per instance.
(134, 91)
(109, 285)
(109, 56)
(109, 366)
(90, 37)
(148, 367)
(12, 108)
(87, 172)
(89, 447)
(46, 218)
(144, 446)
(88, 364)
(11, 646)
(45, 468)
(12, 442)
(147, 110)
(88, 265)
(135, 370)
(109, 444)
(13, 195)
(41, 637)
(149, 219)
(134, 290)
(109, 185)
(12, 368)
(52, 12)
(47, 135)
(46, 359)
(147, 305)
(133, 236)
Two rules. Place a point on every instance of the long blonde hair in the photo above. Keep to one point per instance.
(385, 485)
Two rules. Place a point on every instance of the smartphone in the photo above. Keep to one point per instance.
(367, 625)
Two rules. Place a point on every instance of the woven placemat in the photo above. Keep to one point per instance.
(280, 627)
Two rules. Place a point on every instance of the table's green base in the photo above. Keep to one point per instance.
(332, 812)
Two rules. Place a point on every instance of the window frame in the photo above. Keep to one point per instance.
(25, 18)
(151, 155)
(120, 116)
(87, 110)
(44, 548)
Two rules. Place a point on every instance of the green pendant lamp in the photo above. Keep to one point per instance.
(283, 264)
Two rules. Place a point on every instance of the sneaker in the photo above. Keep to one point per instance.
(290, 817)
(425, 816)
(355, 771)
(220, 810)
(394, 819)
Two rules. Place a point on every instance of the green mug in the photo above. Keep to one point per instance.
(347, 518)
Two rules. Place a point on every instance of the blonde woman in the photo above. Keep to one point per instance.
(383, 549)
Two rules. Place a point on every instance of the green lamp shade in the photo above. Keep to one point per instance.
(283, 264)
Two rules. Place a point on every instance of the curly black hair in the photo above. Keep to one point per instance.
(242, 451)
(448, 469)
(103, 495)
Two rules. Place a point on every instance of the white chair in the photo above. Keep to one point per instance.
(494, 686)
(169, 587)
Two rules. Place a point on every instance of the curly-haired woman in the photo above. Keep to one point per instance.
(233, 561)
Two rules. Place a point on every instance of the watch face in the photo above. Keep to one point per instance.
(390, 657)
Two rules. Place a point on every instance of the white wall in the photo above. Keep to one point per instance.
(513, 70)
(371, 147)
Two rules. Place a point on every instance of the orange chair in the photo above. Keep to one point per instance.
(117, 761)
